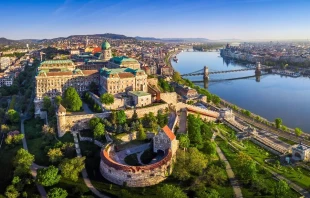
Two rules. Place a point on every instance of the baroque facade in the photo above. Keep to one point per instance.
(120, 80)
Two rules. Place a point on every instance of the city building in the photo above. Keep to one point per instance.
(121, 80)
(57, 65)
(4, 62)
(6, 79)
(301, 152)
(140, 98)
(106, 53)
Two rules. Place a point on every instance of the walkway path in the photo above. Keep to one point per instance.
(34, 166)
(233, 181)
(84, 173)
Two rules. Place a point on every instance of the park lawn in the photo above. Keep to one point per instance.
(36, 143)
(290, 174)
(6, 163)
(267, 177)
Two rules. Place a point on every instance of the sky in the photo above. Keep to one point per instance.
(212, 19)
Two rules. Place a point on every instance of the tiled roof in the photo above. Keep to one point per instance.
(126, 75)
(168, 132)
(61, 108)
(59, 73)
(49, 62)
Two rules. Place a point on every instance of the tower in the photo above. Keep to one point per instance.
(61, 120)
(206, 73)
(106, 51)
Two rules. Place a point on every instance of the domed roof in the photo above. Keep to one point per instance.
(105, 45)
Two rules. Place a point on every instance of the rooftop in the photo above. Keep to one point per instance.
(168, 132)
(121, 59)
(106, 72)
(139, 93)
(51, 62)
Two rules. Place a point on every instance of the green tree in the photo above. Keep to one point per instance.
(141, 135)
(5, 128)
(55, 154)
(48, 132)
(298, 131)
(72, 100)
(11, 192)
(184, 141)
(194, 131)
(93, 122)
(176, 77)
(247, 169)
(70, 168)
(169, 191)
(13, 116)
(107, 99)
(121, 117)
(46, 102)
(57, 193)
(18, 138)
(281, 189)
(209, 148)
(22, 162)
(278, 122)
(9, 140)
(162, 119)
(58, 100)
(113, 117)
(99, 131)
(48, 176)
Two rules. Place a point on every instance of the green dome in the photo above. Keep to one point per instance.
(105, 45)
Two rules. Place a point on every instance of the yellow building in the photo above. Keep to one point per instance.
(121, 80)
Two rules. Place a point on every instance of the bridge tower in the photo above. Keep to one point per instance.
(258, 71)
(206, 73)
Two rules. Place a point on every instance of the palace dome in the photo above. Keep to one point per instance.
(105, 45)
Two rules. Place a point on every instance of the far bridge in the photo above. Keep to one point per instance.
(205, 71)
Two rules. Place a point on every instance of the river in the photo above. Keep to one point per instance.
(272, 97)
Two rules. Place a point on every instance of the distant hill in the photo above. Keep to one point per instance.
(200, 40)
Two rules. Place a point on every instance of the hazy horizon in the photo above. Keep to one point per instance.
(220, 20)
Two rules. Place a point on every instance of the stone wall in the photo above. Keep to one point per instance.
(152, 81)
(170, 98)
(76, 122)
(135, 176)
(142, 111)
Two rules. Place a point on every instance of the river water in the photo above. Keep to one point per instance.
(272, 97)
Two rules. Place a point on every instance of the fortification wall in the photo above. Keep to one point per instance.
(135, 176)
(170, 98)
(197, 110)
(152, 81)
(141, 112)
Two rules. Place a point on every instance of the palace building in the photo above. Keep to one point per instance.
(121, 80)
(55, 76)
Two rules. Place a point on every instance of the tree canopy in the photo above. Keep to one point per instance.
(58, 100)
(48, 176)
(99, 131)
(120, 117)
(13, 116)
(72, 100)
(184, 141)
(281, 189)
(278, 122)
(194, 130)
(57, 193)
(107, 98)
(22, 162)
(247, 169)
(169, 191)
(70, 168)
(298, 131)
(46, 102)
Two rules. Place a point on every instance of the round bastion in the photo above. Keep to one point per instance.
(134, 176)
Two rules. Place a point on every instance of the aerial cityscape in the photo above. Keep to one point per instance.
(170, 99)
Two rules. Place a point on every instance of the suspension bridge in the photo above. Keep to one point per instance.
(205, 72)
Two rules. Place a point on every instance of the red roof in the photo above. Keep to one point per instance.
(168, 132)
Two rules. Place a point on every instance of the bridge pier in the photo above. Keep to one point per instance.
(206, 73)
(206, 83)
(258, 71)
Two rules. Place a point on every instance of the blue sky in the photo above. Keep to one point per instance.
(212, 19)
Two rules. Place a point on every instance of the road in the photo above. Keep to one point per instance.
(34, 166)
(233, 180)
(84, 173)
